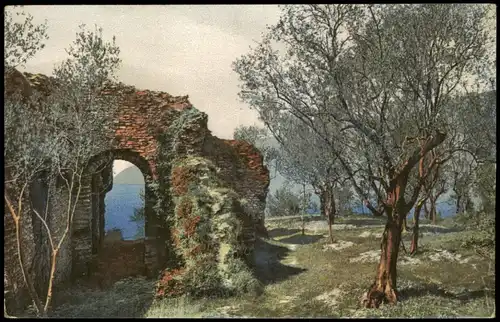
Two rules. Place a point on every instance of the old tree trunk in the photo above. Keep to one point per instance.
(415, 230)
(433, 213)
(383, 290)
(328, 207)
(384, 287)
(416, 216)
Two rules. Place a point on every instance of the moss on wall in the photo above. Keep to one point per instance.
(208, 234)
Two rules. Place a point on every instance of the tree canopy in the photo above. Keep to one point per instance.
(379, 86)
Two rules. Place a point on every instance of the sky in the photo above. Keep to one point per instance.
(179, 49)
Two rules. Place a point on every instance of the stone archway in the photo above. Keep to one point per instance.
(140, 133)
(88, 224)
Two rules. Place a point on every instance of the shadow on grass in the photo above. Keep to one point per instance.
(268, 268)
(438, 230)
(314, 218)
(436, 290)
(362, 222)
(301, 240)
(278, 232)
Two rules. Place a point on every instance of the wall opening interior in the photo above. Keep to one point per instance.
(124, 203)
(118, 243)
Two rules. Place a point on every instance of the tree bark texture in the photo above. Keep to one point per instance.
(303, 209)
(457, 204)
(433, 210)
(328, 207)
(383, 290)
(426, 211)
(331, 219)
(405, 225)
(322, 203)
(415, 230)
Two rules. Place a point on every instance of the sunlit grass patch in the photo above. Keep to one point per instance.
(175, 308)
(303, 278)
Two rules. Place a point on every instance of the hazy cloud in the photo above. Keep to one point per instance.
(182, 50)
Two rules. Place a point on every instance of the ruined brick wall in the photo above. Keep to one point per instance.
(210, 232)
(57, 227)
(255, 185)
(140, 118)
(102, 183)
(241, 166)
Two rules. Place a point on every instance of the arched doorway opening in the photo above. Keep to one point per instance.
(109, 254)
(119, 250)
(124, 203)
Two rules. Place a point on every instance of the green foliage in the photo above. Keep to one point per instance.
(176, 130)
(180, 307)
(55, 131)
(71, 122)
(207, 228)
(138, 215)
(204, 279)
(76, 102)
(481, 221)
(26, 142)
(346, 80)
(427, 288)
(485, 187)
(169, 142)
(283, 202)
(99, 59)
(483, 239)
(22, 38)
(344, 200)
(241, 279)
(251, 134)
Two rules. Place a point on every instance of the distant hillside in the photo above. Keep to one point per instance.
(130, 175)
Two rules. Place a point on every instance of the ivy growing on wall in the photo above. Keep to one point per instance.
(170, 147)
(202, 217)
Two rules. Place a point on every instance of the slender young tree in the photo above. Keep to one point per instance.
(22, 162)
(304, 159)
(71, 118)
(459, 156)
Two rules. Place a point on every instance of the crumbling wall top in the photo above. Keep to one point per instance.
(159, 99)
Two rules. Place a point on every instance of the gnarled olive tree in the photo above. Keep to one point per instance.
(379, 74)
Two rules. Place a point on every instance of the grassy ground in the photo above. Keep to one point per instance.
(305, 278)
